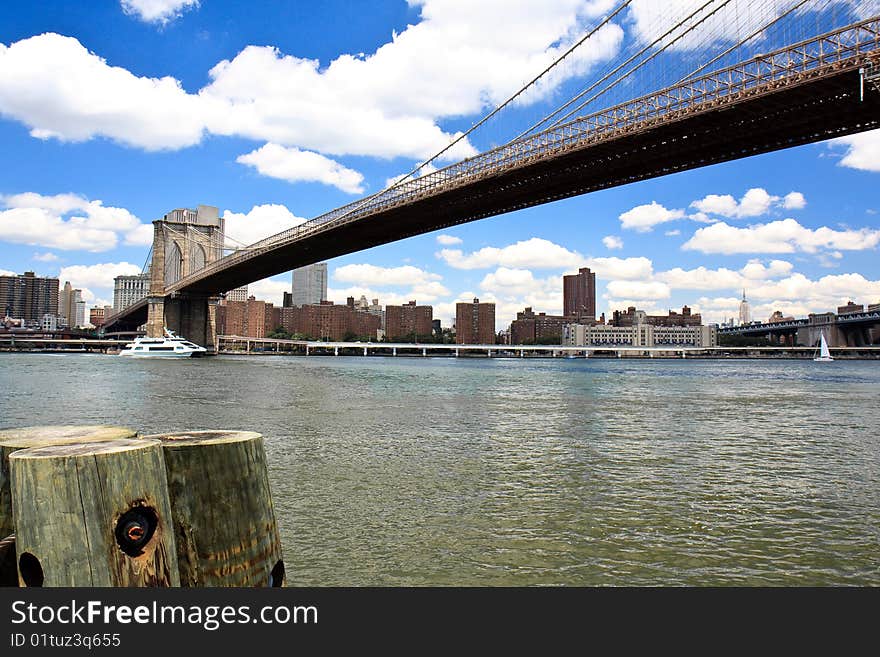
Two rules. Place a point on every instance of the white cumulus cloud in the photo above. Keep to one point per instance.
(387, 103)
(535, 252)
(243, 228)
(612, 242)
(703, 278)
(96, 277)
(67, 222)
(157, 11)
(754, 203)
(372, 275)
(448, 240)
(643, 218)
(628, 269)
(513, 289)
(785, 236)
(756, 270)
(293, 165)
(52, 84)
(862, 150)
(794, 201)
(639, 290)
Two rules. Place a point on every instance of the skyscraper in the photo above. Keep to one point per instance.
(745, 316)
(65, 303)
(579, 294)
(310, 284)
(79, 312)
(67, 308)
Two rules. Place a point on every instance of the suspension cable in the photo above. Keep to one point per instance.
(147, 260)
(577, 109)
(522, 90)
(742, 42)
(580, 95)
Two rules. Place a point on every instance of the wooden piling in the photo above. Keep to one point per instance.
(224, 520)
(12, 440)
(8, 569)
(93, 514)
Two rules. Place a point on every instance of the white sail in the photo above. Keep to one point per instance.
(824, 353)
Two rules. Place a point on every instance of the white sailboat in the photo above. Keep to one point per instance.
(824, 355)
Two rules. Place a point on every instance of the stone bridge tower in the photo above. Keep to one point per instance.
(184, 241)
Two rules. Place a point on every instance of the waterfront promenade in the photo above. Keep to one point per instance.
(241, 345)
(233, 344)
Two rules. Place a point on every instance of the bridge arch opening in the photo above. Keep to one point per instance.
(173, 263)
(197, 258)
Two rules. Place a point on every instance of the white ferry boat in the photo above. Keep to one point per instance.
(170, 346)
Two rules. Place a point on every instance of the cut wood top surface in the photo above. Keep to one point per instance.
(84, 449)
(212, 437)
(52, 435)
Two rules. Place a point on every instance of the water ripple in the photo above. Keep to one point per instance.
(415, 471)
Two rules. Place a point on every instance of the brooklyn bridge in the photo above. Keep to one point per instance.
(822, 85)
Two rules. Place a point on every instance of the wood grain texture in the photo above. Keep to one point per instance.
(67, 500)
(224, 519)
(12, 440)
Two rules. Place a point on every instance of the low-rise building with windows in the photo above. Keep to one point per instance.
(638, 335)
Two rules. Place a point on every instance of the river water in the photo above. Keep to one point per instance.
(441, 471)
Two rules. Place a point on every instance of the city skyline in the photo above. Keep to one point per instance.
(798, 229)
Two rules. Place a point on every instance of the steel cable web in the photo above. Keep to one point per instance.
(535, 127)
(772, 11)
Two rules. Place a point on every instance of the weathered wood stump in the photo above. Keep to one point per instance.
(93, 514)
(8, 569)
(224, 520)
(15, 439)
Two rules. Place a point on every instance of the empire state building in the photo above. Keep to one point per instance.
(745, 316)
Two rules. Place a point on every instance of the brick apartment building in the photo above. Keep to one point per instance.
(533, 328)
(474, 323)
(251, 318)
(402, 322)
(579, 295)
(327, 321)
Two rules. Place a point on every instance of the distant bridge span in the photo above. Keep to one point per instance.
(807, 92)
(854, 329)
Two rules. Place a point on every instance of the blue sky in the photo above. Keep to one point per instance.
(115, 112)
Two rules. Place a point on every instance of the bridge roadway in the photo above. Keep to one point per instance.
(268, 346)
